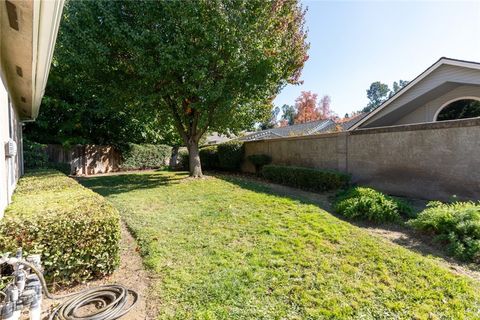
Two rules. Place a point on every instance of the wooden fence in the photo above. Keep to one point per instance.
(86, 159)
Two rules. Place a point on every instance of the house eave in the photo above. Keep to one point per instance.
(26, 50)
(423, 75)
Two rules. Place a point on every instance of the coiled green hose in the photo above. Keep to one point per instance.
(111, 300)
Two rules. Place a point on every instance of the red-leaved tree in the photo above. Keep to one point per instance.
(307, 109)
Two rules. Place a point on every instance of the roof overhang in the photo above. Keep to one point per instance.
(423, 75)
(28, 31)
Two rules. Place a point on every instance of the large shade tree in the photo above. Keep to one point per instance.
(195, 65)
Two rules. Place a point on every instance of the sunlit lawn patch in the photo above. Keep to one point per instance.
(235, 250)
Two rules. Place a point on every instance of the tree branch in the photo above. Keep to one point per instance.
(177, 120)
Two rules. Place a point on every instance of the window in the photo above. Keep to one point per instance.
(460, 109)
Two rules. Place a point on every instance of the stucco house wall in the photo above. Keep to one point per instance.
(28, 35)
(428, 112)
(11, 168)
(3, 137)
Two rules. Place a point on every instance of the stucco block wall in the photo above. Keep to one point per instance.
(434, 161)
(428, 161)
(316, 151)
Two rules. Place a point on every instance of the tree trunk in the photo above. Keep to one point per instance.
(173, 158)
(194, 157)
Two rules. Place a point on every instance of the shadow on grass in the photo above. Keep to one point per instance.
(321, 200)
(120, 183)
(397, 233)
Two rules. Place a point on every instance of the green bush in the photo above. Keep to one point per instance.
(230, 155)
(369, 204)
(209, 158)
(457, 224)
(144, 156)
(306, 178)
(75, 230)
(34, 155)
(259, 160)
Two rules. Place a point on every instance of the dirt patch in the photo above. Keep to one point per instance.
(130, 273)
(394, 233)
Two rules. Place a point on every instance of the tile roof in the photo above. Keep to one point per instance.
(346, 125)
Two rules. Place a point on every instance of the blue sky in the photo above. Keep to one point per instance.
(353, 44)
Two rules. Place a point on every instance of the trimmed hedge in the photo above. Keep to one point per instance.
(369, 204)
(75, 230)
(306, 178)
(230, 155)
(209, 158)
(145, 156)
(457, 224)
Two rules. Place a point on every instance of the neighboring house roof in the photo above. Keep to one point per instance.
(301, 129)
(346, 124)
(215, 138)
(443, 76)
(29, 31)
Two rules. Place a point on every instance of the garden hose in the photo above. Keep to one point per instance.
(111, 300)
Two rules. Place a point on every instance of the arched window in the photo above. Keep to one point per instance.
(460, 109)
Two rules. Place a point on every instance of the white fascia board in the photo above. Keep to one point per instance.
(46, 20)
(436, 65)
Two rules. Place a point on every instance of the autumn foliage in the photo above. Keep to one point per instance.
(309, 110)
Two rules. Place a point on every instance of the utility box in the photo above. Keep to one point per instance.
(10, 148)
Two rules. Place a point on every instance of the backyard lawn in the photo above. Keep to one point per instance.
(233, 249)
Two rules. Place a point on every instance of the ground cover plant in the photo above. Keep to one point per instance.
(372, 205)
(76, 230)
(306, 178)
(457, 224)
(233, 249)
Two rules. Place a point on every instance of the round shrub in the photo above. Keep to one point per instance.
(230, 155)
(457, 224)
(369, 204)
(209, 158)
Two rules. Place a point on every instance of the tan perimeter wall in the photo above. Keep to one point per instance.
(428, 161)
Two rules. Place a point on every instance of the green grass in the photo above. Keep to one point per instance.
(232, 249)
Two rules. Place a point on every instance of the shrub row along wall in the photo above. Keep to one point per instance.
(430, 161)
(75, 230)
